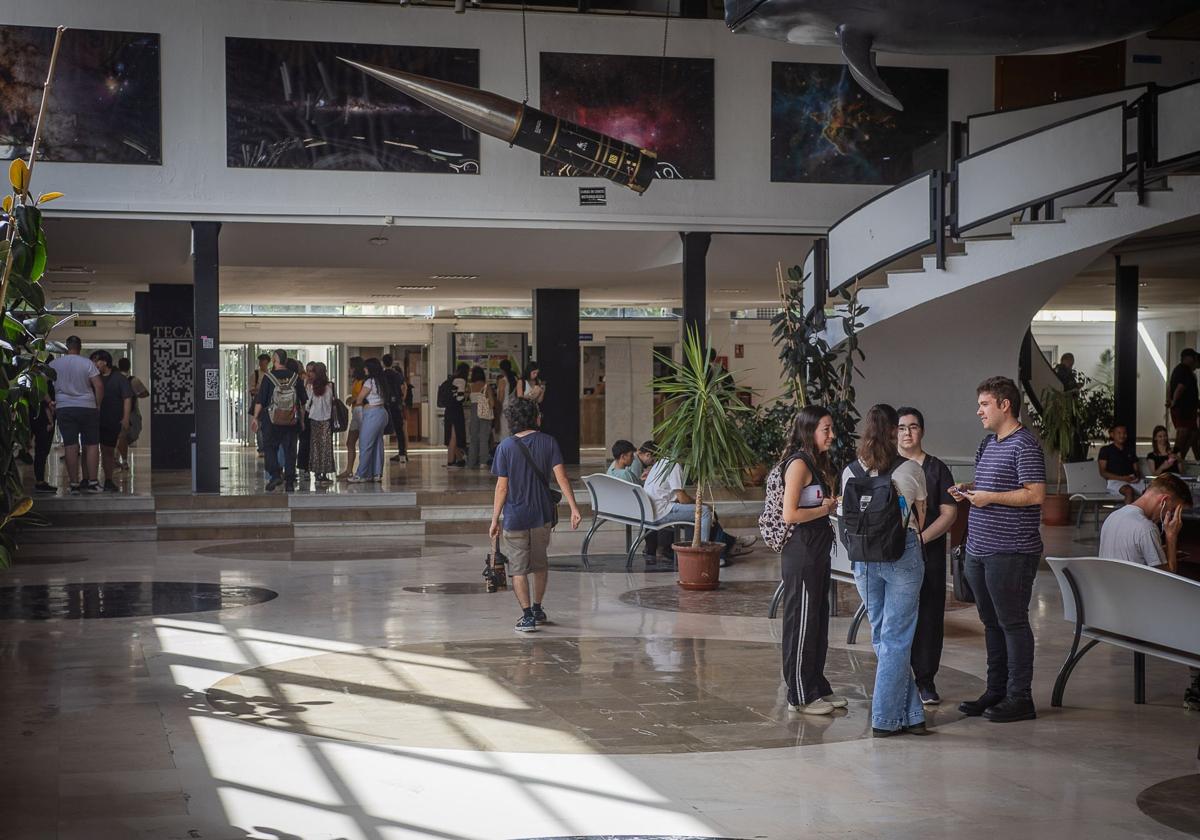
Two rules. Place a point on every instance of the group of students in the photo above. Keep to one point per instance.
(1121, 468)
(664, 484)
(94, 404)
(905, 592)
(297, 409)
(474, 407)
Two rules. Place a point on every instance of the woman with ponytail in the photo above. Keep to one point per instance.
(808, 501)
(891, 590)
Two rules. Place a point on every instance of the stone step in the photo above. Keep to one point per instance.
(207, 501)
(335, 516)
(105, 502)
(105, 534)
(100, 519)
(351, 529)
(225, 532)
(202, 518)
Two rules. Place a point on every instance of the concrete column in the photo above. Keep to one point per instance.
(695, 283)
(1125, 344)
(171, 320)
(628, 400)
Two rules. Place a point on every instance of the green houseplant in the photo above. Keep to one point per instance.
(765, 431)
(701, 435)
(1059, 424)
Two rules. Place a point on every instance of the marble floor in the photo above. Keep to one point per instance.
(372, 690)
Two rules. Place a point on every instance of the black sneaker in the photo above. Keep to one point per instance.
(90, 487)
(290, 487)
(918, 729)
(527, 624)
(43, 487)
(109, 487)
(273, 483)
(974, 708)
(75, 489)
(539, 615)
(886, 733)
(1011, 710)
(929, 696)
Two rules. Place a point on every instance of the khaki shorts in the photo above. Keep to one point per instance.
(526, 550)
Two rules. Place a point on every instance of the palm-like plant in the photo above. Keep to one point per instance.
(1059, 425)
(699, 431)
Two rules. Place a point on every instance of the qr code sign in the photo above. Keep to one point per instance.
(171, 376)
(212, 384)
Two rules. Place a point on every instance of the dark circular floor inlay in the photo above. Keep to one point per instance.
(1175, 803)
(607, 564)
(547, 692)
(452, 588)
(46, 560)
(122, 599)
(323, 549)
(630, 837)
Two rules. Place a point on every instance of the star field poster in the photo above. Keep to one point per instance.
(667, 109)
(825, 129)
(105, 105)
(293, 105)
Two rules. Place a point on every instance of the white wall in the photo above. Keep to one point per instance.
(194, 182)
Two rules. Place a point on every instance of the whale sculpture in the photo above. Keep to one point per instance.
(947, 27)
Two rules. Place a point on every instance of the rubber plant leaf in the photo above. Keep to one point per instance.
(22, 507)
(50, 196)
(18, 175)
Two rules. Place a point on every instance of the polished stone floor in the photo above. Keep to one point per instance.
(350, 706)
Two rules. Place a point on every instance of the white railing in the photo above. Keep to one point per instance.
(987, 130)
(890, 225)
(1066, 157)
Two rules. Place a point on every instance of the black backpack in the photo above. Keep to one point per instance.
(872, 526)
(445, 394)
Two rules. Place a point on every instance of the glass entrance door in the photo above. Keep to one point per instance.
(235, 394)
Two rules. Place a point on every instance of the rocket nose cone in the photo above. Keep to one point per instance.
(396, 78)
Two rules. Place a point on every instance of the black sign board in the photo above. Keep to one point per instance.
(592, 197)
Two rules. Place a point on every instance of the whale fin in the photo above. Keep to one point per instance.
(856, 49)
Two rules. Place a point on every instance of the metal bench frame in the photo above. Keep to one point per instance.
(600, 515)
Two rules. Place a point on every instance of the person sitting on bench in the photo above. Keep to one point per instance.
(1119, 465)
(672, 505)
(1131, 533)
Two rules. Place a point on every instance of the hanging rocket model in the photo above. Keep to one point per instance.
(517, 124)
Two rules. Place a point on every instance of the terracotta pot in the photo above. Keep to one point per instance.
(699, 568)
(754, 476)
(1056, 509)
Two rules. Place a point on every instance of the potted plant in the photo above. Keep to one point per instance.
(1059, 424)
(701, 435)
(765, 431)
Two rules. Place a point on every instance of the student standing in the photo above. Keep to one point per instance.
(358, 375)
(808, 500)
(116, 405)
(942, 513)
(480, 414)
(279, 418)
(1004, 545)
(321, 394)
(523, 466)
(256, 378)
(373, 400)
(140, 392)
(397, 389)
(506, 392)
(891, 589)
(41, 422)
(1183, 399)
(77, 395)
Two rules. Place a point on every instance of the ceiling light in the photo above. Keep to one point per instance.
(416, 288)
(378, 240)
(454, 277)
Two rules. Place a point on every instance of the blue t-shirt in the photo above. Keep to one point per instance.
(528, 504)
(1001, 466)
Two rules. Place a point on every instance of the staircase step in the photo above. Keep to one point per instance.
(363, 529)
(89, 534)
(342, 501)
(365, 514)
(101, 519)
(222, 518)
(226, 532)
(215, 502)
(108, 502)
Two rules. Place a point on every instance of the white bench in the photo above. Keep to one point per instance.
(614, 500)
(840, 571)
(1086, 486)
(1139, 608)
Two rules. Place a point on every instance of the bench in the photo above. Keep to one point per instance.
(623, 502)
(841, 572)
(1085, 485)
(1140, 608)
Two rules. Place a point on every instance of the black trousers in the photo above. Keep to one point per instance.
(931, 617)
(400, 430)
(1003, 587)
(274, 437)
(806, 591)
(43, 439)
(304, 438)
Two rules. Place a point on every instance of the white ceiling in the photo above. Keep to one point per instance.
(107, 260)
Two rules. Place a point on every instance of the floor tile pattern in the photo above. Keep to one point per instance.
(559, 695)
(122, 599)
(1174, 803)
(325, 550)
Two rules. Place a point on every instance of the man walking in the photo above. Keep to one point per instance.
(1004, 545)
(116, 407)
(397, 393)
(522, 466)
(1183, 399)
(942, 512)
(256, 378)
(78, 392)
(277, 413)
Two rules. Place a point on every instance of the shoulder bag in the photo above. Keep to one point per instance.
(339, 415)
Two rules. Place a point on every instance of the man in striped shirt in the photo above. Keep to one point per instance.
(1004, 545)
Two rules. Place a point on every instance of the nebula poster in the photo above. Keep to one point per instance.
(105, 105)
(825, 129)
(664, 107)
(293, 105)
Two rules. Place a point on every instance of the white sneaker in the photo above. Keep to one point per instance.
(836, 700)
(358, 479)
(816, 707)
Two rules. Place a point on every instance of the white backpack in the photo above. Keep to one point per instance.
(775, 532)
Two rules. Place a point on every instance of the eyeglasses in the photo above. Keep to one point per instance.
(912, 428)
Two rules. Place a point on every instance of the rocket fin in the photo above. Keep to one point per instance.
(856, 49)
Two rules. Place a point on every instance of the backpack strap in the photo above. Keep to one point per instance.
(858, 470)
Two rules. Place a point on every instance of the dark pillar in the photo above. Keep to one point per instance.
(1125, 348)
(172, 376)
(556, 349)
(695, 282)
(206, 281)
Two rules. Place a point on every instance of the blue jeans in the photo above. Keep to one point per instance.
(891, 592)
(687, 513)
(370, 442)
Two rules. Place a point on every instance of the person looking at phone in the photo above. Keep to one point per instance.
(1004, 545)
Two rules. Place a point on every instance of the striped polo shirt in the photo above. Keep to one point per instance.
(1000, 466)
